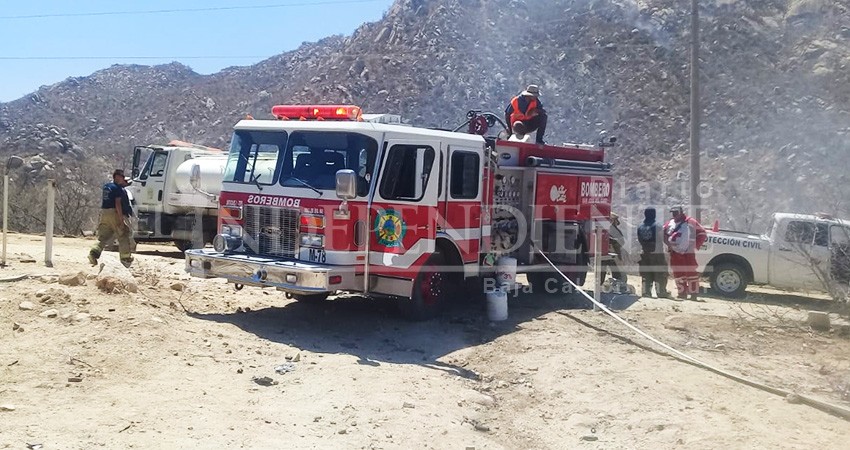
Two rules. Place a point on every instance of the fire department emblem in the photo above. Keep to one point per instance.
(389, 228)
(558, 194)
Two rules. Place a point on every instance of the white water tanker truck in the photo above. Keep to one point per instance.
(175, 191)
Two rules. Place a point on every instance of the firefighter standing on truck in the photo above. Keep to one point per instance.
(114, 223)
(527, 109)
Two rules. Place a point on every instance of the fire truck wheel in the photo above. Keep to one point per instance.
(553, 284)
(473, 289)
(729, 280)
(183, 245)
(429, 291)
(311, 298)
(538, 281)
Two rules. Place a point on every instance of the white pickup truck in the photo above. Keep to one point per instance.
(798, 252)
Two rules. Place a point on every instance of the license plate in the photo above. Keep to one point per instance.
(316, 255)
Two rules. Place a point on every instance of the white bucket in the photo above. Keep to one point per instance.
(506, 272)
(497, 305)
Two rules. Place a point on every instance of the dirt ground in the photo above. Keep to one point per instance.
(137, 370)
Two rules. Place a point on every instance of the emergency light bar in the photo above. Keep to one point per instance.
(317, 112)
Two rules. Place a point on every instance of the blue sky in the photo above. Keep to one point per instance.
(207, 40)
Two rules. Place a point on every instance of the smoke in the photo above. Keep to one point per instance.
(773, 110)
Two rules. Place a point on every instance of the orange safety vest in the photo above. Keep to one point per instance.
(517, 114)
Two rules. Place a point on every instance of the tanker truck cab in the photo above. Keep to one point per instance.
(168, 206)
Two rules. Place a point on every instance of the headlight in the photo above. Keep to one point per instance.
(232, 230)
(312, 240)
(219, 243)
(223, 243)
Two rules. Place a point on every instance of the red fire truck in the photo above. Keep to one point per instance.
(327, 199)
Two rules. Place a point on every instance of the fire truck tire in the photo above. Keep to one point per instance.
(729, 280)
(184, 245)
(553, 285)
(429, 291)
(472, 290)
(311, 298)
(538, 281)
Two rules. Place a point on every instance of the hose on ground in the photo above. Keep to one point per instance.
(835, 410)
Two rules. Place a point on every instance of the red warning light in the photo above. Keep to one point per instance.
(317, 112)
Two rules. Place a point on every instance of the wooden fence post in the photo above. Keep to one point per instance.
(48, 233)
(5, 214)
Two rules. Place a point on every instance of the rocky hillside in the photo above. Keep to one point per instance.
(775, 91)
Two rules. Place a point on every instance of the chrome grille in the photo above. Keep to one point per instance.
(271, 231)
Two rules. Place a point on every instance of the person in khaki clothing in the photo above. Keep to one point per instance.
(115, 212)
(617, 242)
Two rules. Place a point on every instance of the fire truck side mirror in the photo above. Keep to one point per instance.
(346, 184)
(195, 177)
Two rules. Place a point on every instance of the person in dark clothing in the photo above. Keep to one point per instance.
(115, 212)
(527, 109)
(653, 263)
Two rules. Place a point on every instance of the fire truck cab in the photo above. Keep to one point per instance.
(321, 201)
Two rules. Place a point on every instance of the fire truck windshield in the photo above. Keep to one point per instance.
(254, 158)
(301, 158)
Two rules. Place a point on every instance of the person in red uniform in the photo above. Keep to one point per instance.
(527, 109)
(683, 235)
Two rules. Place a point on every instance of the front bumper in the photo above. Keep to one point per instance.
(287, 275)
